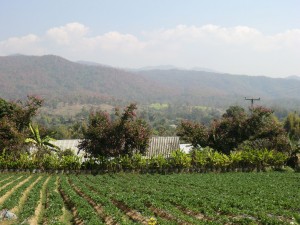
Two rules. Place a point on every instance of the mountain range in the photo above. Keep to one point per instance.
(54, 77)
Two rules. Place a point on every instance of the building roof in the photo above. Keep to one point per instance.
(162, 146)
(157, 145)
(67, 144)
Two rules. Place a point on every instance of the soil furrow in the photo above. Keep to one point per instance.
(7, 194)
(39, 209)
(163, 214)
(196, 215)
(5, 185)
(132, 214)
(24, 196)
(2, 181)
(70, 206)
(98, 208)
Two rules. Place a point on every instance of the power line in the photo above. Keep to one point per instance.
(252, 100)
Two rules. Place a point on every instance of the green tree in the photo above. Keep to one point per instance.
(265, 131)
(259, 129)
(227, 132)
(292, 126)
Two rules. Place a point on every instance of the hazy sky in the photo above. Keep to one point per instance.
(254, 37)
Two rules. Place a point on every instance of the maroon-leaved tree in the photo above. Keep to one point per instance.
(122, 136)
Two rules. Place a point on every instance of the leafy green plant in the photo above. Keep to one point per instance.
(70, 162)
(180, 160)
(158, 162)
(51, 162)
(219, 160)
(277, 159)
(199, 158)
(126, 162)
(42, 143)
(139, 161)
(236, 159)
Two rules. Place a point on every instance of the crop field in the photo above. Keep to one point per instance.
(125, 198)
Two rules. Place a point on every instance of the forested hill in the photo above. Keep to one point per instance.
(218, 84)
(55, 77)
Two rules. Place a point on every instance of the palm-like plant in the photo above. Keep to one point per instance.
(42, 143)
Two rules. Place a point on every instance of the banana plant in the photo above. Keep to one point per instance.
(41, 142)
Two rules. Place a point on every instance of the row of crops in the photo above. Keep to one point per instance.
(229, 198)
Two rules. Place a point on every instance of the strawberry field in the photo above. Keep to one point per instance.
(125, 198)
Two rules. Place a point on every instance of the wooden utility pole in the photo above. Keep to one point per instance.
(252, 100)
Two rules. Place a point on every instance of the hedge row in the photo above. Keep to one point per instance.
(199, 160)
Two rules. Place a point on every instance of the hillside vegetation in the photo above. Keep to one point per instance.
(53, 77)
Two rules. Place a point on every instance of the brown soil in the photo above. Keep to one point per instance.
(197, 215)
(7, 194)
(132, 214)
(98, 208)
(24, 197)
(34, 220)
(68, 203)
(163, 214)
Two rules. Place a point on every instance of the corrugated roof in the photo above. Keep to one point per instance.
(157, 145)
(162, 145)
(68, 144)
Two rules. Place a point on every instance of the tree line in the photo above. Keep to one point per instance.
(124, 133)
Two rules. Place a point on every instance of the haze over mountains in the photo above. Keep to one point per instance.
(53, 77)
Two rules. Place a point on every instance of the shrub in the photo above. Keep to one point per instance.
(180, 160)
(158, 162)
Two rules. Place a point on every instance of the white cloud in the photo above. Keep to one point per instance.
(239, 49)
(29, 44)
(64, 35)
(115, 41)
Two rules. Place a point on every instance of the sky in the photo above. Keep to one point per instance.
(250, 37)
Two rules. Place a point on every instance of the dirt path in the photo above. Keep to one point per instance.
(39, 209)
(24, 197)
(2, 181)
(7, 194)
(5, 185)
(66, 217)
